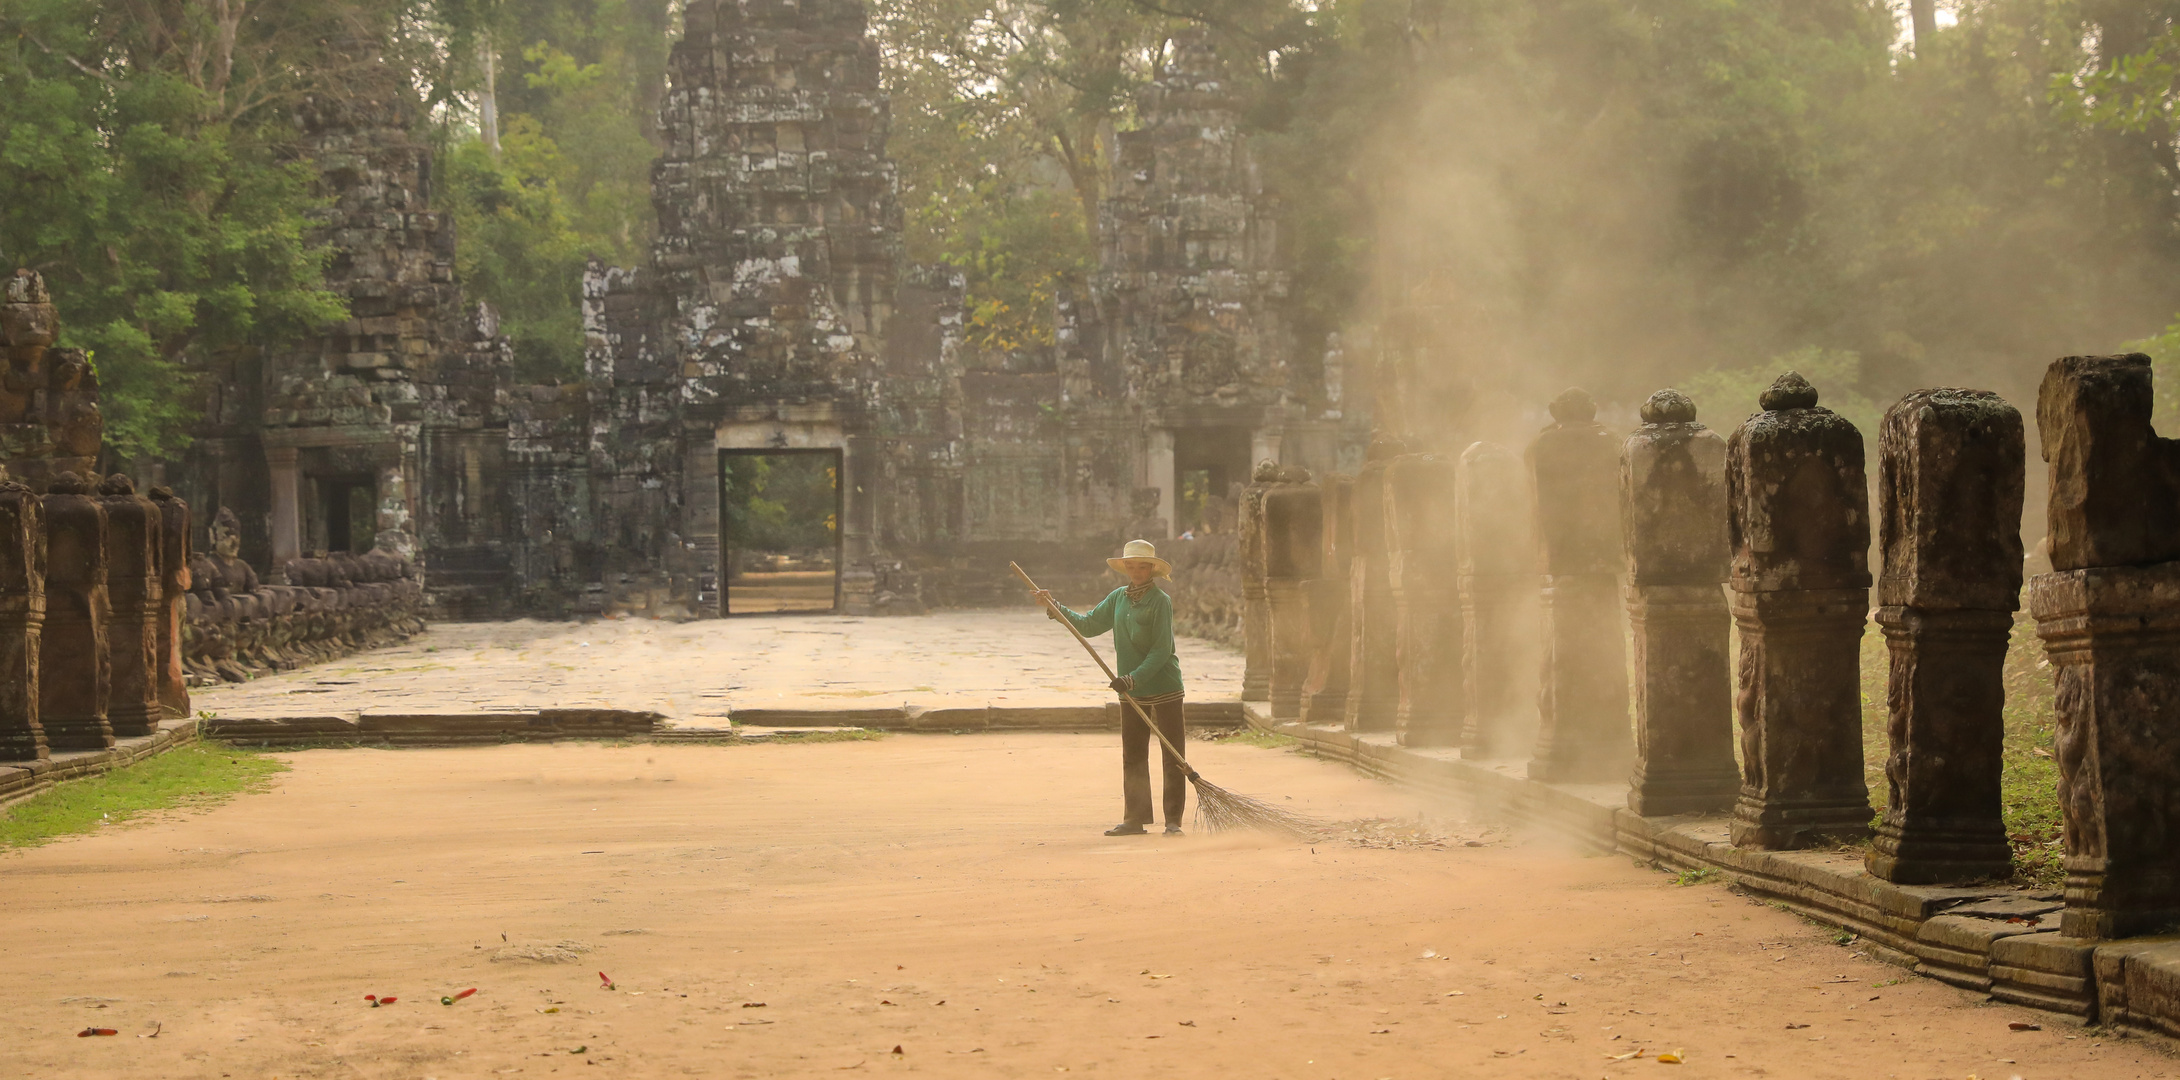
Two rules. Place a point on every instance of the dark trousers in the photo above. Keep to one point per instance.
(1136, 748)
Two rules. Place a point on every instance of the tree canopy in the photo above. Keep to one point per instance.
(1623, 193)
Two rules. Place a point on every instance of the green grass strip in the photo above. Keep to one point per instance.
(197, 776)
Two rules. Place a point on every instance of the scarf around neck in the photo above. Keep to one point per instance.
(1136, 593)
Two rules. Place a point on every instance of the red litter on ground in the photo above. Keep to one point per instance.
(88, 1032)
(457, 997)
(377, 1001)
(605, 979)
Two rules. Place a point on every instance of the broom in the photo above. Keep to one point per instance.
(1217, 809)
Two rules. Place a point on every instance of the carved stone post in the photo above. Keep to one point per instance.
(1419, 519)
(1373, 670)
(1582, 723)
(73, 665)
(1949, 506)
(1497, 565)
(2109, 614)
(22, 620)
(1800, 528)
(133, 525)
(174, 585)
(1256, 609)
(1324, 696)
(1673, 517)
(1293, 545)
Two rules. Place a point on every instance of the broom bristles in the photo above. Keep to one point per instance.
(1219, 810)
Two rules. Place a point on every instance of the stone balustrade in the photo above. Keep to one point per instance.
(237, 627)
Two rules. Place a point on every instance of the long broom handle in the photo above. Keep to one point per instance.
(1106, 668)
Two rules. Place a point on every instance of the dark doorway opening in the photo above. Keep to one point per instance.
(779, 531)
(1207, 464)
(351, 513)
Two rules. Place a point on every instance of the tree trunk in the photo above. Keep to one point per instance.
(1924, 14)
(488, 100)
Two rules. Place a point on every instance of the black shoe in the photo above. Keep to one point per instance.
(1173, 830)
(1125, 828)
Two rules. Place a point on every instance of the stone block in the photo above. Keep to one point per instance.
(1373, 691)
(2115, 485)
(1293, 551)
(133, 582)
(1324, 695)
(22, 621)
(1497, 564)
(1420, 502)
(1583, 733)
(1798, 520)
(2138, 983)
(1673, 523)
(74, 667)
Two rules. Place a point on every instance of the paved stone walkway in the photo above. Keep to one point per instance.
(697, 672)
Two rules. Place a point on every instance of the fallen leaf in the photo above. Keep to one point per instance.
(554, 1009)
(1672, 1058)
(2019, 1025)
(90, 1031)
(753, 1004)
(897, 1048)
(1635, 1053)
(1188, 1023)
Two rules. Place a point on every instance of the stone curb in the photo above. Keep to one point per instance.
(1995, 940)
(20, 780)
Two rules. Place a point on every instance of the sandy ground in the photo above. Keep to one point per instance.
(698, 672)
(803, 910)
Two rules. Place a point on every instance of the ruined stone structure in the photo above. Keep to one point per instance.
(1673, 523)
(22, 621)
(1798, 514)
(1496, 561)
(133, 584)
(1324, 695)
(1373, 688)
(1949, 497)
(49, 417)
(2109, 614)
(1420, 531)
(74, 669)
(1293, 553)
(1582, 719)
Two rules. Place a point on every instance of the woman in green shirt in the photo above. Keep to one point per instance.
(1140, 615)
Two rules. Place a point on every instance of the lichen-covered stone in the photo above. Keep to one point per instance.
(2112, 631)
(1582, 706)
(74, 667)
(1798, 509)
(133, 581)
(1673, 521)
(1950, 489)
(22, 621)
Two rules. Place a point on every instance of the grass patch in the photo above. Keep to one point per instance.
(856, 735)
(2028, 774)
(197, 776)
(1697, 876)
(1248, 736)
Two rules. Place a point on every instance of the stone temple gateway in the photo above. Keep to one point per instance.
(774, 313)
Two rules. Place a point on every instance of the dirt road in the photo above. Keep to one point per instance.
(801, 910)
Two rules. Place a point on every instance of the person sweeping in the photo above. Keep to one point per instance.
(1140, 616)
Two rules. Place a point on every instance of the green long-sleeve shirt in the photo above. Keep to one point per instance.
(1142, 638)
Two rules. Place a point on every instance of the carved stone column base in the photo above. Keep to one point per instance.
(2113, 635)
(1582, 731)
(1288, 601)
(1373, 689)
(1433, 705)
(1942, 822)
(1683, 701)
(1800, 707)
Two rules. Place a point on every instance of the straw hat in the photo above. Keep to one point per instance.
(1140, 549)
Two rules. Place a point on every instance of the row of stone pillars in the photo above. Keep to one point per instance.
(1402, 600)
(92, 590)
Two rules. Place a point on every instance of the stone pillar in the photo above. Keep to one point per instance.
(1497, 562)
(1256, 609)
(73, 665)
(1582, 721)
(1293, 548)
(1950, 470)
(2109, 614)
(1158, 473)
(287, 507)
(1798, 520)
(1419, 522)
(133, 525)
(1673, 521)
(1373, 687)
(174, 553)
(22, 621)
(1324, 696)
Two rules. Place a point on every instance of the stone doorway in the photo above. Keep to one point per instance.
(1207, 463)
(780, 512)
